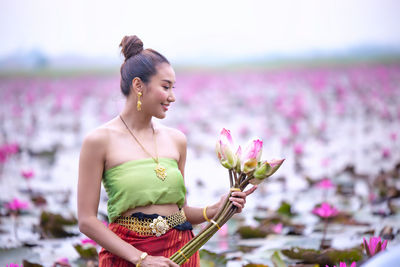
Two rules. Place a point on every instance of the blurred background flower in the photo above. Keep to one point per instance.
(318, 82)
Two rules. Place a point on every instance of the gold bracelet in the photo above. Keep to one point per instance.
(180, 252)
(142, 257)
(216, 224)
(205, 214)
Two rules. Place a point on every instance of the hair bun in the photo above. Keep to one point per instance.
(130, 46)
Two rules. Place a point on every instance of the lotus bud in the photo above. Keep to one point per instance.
(374, 246)
(262, 169)
(224, 149)
(275, 164)
(251, 155)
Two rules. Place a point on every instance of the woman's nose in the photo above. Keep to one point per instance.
(171, 97)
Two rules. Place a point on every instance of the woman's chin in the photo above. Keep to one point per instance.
(160, 116)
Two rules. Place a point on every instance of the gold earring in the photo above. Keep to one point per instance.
(139, 103)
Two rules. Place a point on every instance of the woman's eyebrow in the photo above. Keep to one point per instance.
(168, 81)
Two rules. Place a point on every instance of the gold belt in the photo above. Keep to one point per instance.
(157, 226)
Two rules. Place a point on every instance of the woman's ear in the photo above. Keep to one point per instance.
(137, 85)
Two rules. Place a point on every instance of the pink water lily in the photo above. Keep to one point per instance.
(277, 228)
(62, 262)
(251, 155)
(28, 174)
(17, 205)
(7, 150)
(224, 149)
(88, 241)
(343, 264)
(325, 183)
(325, 210)
(386, 152)
(298, 149)
(374, 246)
(11, 149)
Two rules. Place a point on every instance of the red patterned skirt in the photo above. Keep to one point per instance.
(165, 245)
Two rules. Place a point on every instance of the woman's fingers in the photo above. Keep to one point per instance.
(251, 190)
(239, 198)
(240, 201)
(158, 261)
(173, 264)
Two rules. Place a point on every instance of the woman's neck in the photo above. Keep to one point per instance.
(136, 120)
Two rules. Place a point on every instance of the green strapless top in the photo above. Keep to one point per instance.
(134, 183)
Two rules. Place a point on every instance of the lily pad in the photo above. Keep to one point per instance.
(324, 257)
(52, 225)
(86, 252)
(251, 232)
(285, 209)
(26, 263)
(211, 259)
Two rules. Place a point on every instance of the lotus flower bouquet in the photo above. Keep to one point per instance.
(244, 167)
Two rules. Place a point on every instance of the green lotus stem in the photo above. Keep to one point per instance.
(193, 245)
(324, 233)
(197, 242)
(230, 177)
(222, 216)
(245, 182)
(205, 231)
(206, 236)
(236, 177)
(241, 177)
(200, 242)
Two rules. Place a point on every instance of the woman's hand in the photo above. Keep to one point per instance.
(238, 198)
(157, 261)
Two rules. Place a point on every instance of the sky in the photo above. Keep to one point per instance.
(197, 30)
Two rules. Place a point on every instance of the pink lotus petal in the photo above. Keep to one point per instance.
(375, 242)
(227, 134)
(277, 228)
(325, 183)
(17, 205)
(384, 245)
(298, 149)
(28, 174)
(325, 210)
(393, 136)
(63, 260)
(88, 241)
(386, 152)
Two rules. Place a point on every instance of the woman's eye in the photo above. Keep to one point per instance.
(166, 87)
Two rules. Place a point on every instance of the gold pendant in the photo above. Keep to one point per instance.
(161, 172)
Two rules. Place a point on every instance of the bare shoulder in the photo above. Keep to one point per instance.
(178, 136)
(97, 136)
(98, 139)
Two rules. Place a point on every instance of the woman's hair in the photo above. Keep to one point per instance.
(138, 62)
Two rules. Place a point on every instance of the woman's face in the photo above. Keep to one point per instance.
(158, 94)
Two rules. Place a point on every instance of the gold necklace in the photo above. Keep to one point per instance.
(160, 170)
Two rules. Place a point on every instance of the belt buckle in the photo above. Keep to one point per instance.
(159, 226)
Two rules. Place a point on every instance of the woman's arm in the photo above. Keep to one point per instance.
(194, 214)
(91, 164)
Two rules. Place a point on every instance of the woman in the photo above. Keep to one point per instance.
(142, 166)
